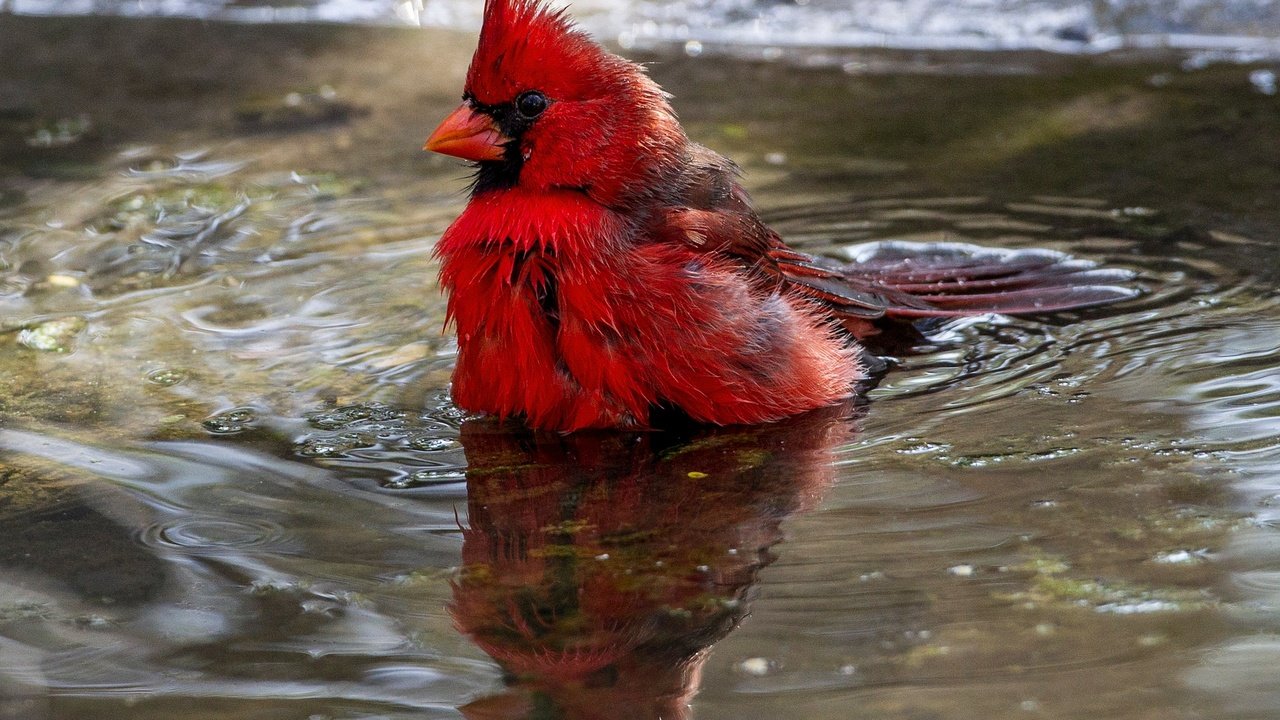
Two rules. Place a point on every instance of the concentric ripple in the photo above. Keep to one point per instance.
(1206, 285)
(210, 533)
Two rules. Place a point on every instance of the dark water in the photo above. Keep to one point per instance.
(232, 485)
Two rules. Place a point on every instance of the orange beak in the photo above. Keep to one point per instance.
(469, 135)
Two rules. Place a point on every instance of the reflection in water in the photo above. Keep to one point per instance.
(598, 570)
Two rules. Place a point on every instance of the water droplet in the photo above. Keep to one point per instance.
(451, 414)
(1141, 607)
(347, 415)
(166, 377)
(432, 443)
(427, 477)
(337, 446)
(923, 447)
(230, 422)
(1181, 557)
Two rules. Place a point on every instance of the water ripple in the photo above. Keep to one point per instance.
(208, 532)
(1012, 512)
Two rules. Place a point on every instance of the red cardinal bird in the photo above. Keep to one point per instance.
(607, 270)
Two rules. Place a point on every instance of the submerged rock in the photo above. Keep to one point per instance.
(54, 335)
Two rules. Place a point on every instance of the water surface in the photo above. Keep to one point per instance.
(232, 484)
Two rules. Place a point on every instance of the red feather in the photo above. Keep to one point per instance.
(607, 267)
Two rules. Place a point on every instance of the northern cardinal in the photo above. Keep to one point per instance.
(608, 271)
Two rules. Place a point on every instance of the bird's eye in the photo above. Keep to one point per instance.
(531, 104)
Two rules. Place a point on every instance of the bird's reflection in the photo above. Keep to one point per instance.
(599, 569)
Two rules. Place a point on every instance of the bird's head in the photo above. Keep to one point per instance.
(546, 108)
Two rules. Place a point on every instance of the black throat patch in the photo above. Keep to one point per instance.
(505, 173)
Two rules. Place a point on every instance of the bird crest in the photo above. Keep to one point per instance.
(525, 44)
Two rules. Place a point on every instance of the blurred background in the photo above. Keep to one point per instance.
(1062, 25)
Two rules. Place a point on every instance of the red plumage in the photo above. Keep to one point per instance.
(607, 267)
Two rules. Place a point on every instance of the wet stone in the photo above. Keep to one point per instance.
(53, 335)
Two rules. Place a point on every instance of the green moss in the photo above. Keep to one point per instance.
(1052, 586)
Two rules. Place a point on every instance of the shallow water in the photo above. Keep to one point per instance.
(232, 484)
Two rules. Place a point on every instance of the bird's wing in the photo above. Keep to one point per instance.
(887, 280)
(713, 213)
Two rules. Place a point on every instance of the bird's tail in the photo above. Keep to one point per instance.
(907, 280)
